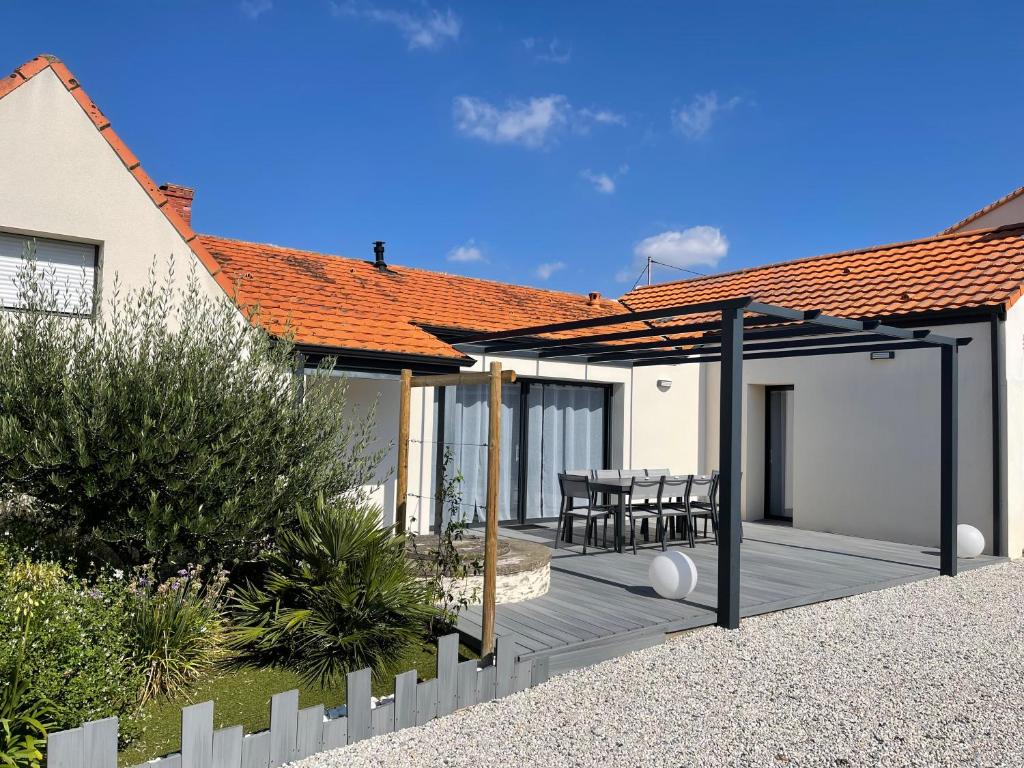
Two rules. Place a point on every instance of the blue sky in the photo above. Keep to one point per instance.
(552, 143)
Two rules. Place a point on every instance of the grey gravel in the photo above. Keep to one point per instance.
(926, 674)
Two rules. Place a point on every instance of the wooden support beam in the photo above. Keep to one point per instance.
(456, 379)
(491, 531)
(402, 482)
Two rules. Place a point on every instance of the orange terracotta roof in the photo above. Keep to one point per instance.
(987, 209)
(331, 301)
(45, 61)
(347, 303)
(979, 268)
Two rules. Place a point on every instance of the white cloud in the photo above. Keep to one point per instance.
(532, 123)
(701, 245)
(255, 8)
(428, 30)
(550, 51)
(547, 269)
(695, 119)
(467, 252)
(528, 123)
(604, 182)
(603, 116)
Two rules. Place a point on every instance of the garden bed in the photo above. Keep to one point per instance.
(242, 697)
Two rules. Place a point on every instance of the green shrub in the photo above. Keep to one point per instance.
(77, 652)
(175, 628)
(339, 595)
(441, 560)
(169, 428)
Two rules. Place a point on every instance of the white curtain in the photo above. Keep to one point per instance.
(465, 435)
(569, 422)
(565, 426)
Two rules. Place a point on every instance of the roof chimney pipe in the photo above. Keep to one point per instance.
(378, 255)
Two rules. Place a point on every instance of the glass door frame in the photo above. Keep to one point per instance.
(522, 496)
(767, 513)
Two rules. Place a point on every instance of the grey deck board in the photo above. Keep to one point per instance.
(601, 605)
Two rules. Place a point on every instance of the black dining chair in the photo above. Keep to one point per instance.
(697, 504)
(673, 493)
(577, 488)
(706, 507)
(644, 504)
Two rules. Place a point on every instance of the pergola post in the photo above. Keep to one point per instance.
(730, 416)
(949, 468)
(491, 528)
(402, 481)
(494, 379)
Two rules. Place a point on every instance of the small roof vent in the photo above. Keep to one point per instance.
(378, 255)
(593, 297)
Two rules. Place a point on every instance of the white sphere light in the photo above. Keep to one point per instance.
(970, 542)
(672, 574)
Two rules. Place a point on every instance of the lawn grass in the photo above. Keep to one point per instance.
(243, 698)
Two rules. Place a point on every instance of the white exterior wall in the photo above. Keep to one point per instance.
(60, 178)
(866, 439)
(1011, 212)
(650, 426)
(1013, 439)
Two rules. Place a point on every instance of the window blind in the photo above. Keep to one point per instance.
(70, 268)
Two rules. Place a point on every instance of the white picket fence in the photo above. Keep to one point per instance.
(296, 733)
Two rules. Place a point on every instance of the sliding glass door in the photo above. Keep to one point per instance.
(546, 428)
(465, 438)
(566, 427)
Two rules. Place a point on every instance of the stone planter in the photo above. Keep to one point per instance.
(524, 568)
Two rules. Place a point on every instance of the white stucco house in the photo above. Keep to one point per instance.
(853, 440)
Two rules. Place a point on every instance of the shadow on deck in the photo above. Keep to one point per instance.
(600, 605)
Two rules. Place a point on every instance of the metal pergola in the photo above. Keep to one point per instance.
(729, 332)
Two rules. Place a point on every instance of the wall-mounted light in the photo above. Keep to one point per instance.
(886, 354)
(664, 384)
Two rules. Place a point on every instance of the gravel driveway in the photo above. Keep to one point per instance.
(931, 673)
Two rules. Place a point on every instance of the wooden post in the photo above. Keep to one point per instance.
(491, 535)
(402, 482)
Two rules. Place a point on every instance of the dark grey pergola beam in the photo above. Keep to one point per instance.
(570, 347)
(558, 348)
(665, 313)
(799, 333)
(715, 356)
(639, 352)
(654, 350)
(525, 338)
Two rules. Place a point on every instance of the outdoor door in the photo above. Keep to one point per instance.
(465, 425)
(778, 451)
(565, 429)
(546, 428)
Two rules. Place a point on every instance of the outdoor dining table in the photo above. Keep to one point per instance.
(618, 487)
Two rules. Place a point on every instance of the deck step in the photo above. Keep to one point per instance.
(566, 658)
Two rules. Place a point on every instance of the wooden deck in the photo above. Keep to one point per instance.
(601, 606)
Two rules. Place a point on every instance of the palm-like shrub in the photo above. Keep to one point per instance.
(339, 595)
(175, 627)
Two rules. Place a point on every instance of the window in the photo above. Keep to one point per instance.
(71, 268)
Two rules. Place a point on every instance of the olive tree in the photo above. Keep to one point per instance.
(164, 426)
